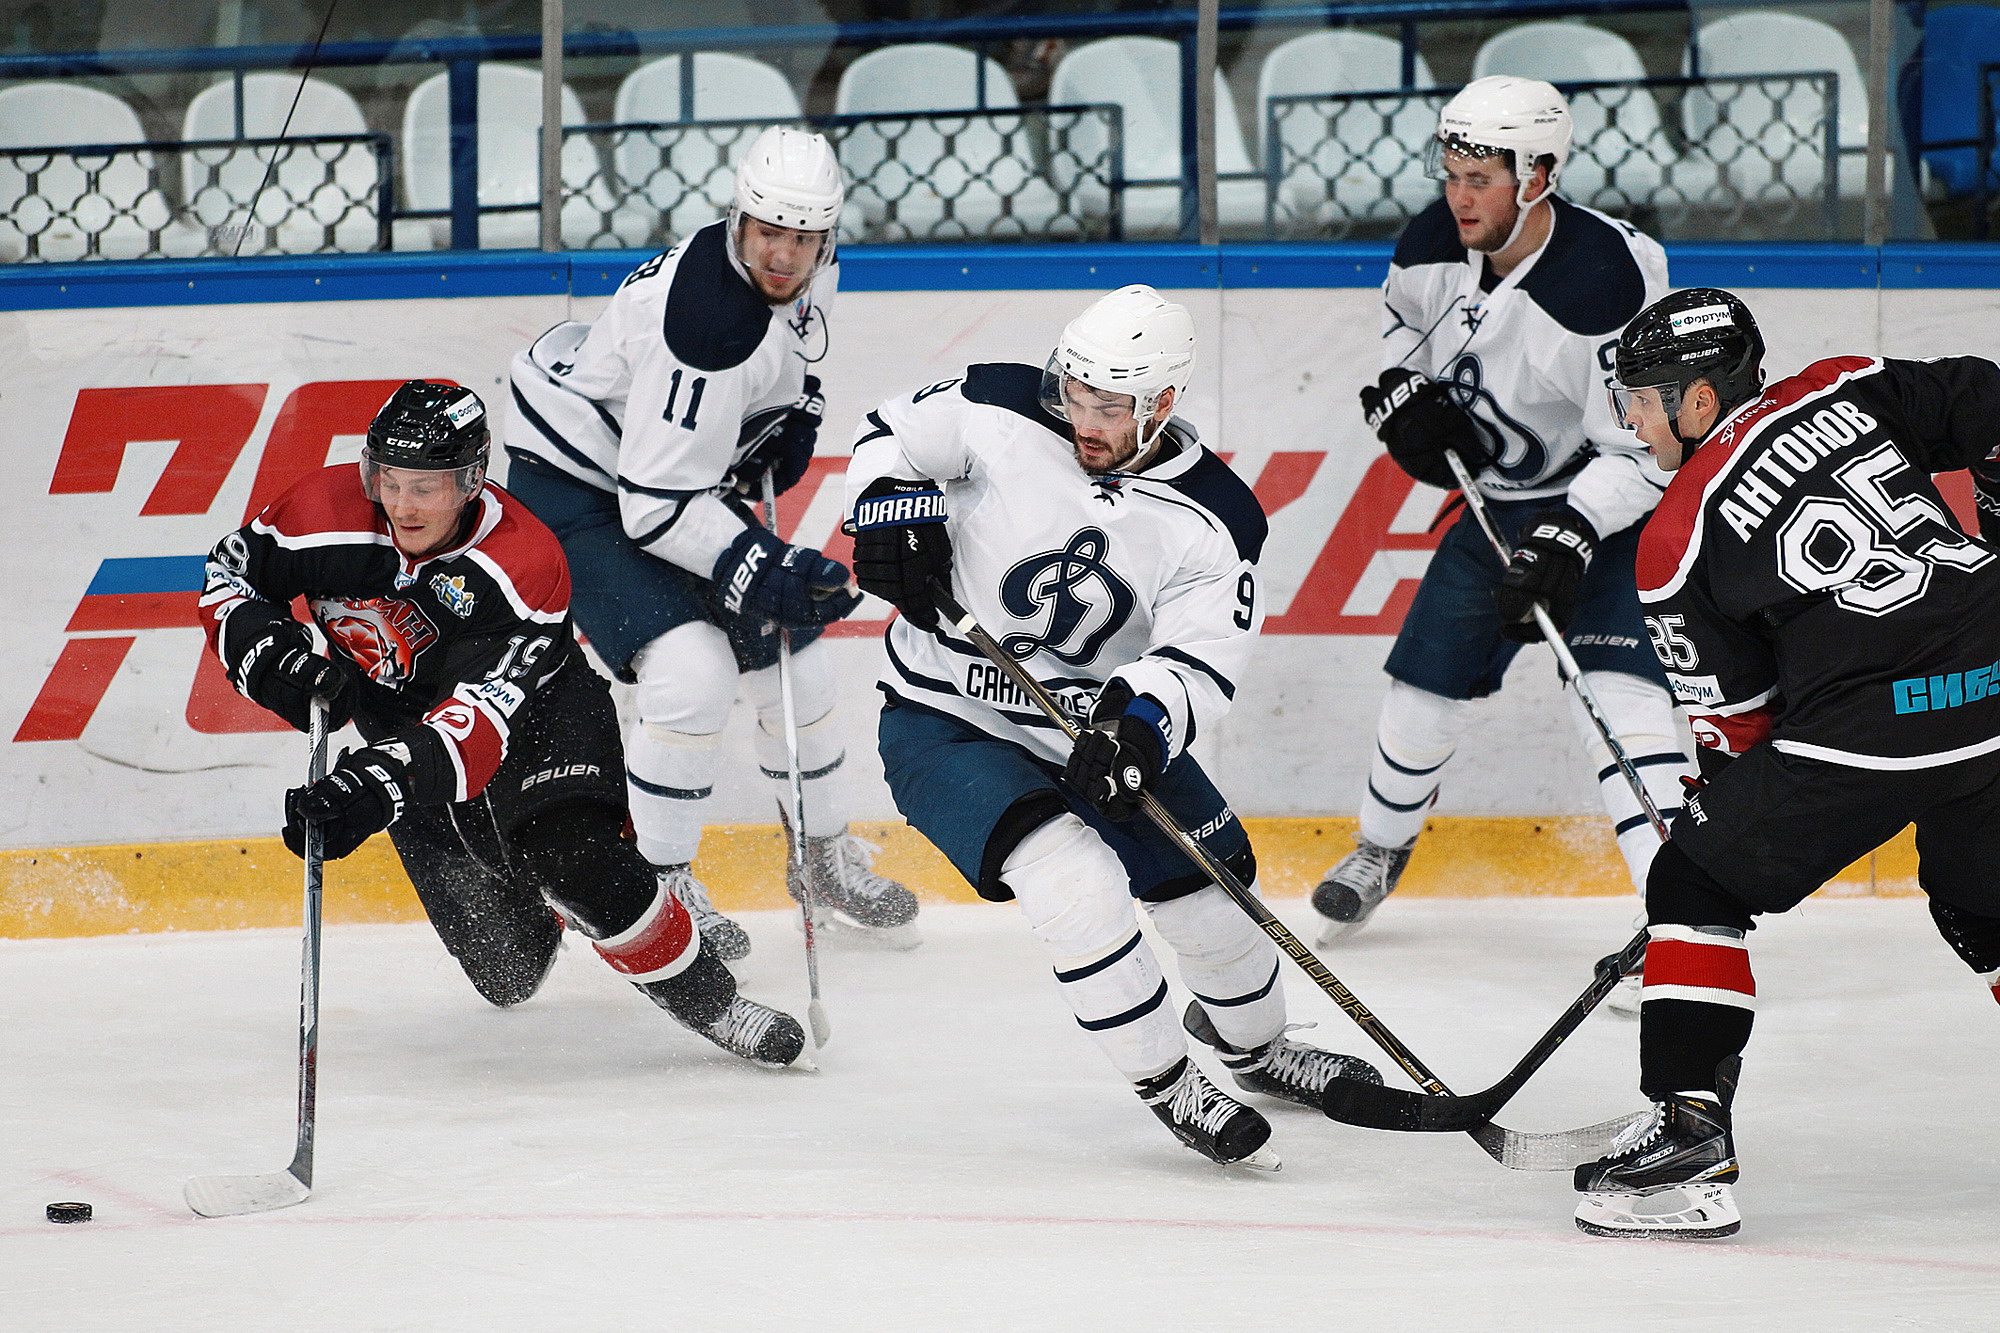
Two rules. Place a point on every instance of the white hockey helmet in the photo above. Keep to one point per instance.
(1133, 341)
(1526, 119)
(790, 178)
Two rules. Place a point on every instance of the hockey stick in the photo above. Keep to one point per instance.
(822, 1029)
(227, 1196)
(1357, 1103)
(1525, 1152)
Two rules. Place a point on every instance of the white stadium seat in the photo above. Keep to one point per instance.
(310, 190)
(945, 179)
(70, 205)
(1143, 75)
(1369, 158)
(1774, 42)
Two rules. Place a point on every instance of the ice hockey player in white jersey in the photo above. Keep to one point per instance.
(1087, 528)
(1501, 310)
(640, 439)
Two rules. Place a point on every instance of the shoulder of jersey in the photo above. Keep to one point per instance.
(1012, 387)
(524, 548)
(713, 320)
(1664, 544)
(329, 500)
(1588, 280)
(1214, 486)
(1431, 237)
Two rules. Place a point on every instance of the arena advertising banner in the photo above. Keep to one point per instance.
(138, 437)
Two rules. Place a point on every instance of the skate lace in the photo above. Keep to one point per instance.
(680, 882)
(853, 863)
(1640, 1132)
(1368, 867)
(743, 1024)
(1195, 1101)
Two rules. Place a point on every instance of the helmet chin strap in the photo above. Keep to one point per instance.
(1523, 206)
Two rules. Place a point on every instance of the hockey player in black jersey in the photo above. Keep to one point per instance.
(1831, 633)
(492, 754)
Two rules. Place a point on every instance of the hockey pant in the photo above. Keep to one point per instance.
(687, 685)
(1077, 901)
(1417, 732)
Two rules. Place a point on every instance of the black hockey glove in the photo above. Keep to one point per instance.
(792, 586)
(1548, 566)
(1121, 753)
(788, 450)
(364, 794)
(1417, 421)
(278, 670)
(901, 546)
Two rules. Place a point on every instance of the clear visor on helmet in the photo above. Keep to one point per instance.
(787, 258)
(1087, 407)
(384, 483)
(1639, 405)
(1448, 157)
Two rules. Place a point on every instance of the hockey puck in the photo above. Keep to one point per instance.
(68, 1212)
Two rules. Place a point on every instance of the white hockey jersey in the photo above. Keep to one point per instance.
(671, 386)
(1531, 357)
(1150, 577)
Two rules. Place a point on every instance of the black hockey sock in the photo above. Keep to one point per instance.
(583, 861)
(1683, 1042)
(698, 994)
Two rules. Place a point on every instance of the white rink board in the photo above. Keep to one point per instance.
(1276, 386)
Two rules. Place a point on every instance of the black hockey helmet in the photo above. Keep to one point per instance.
(1702, 333)
(426, 427)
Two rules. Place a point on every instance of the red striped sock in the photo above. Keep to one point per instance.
(1683, 963)
(660, 944)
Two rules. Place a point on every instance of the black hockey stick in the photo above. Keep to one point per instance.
(1523, 1152)
(227, 1196)
(1353, 1102)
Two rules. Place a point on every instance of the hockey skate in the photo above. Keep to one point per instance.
(850, 899)
(1669, 1176)
(1289, 1070)
(1352, 890)
(719, 935)
(703, 998)
(1208, 1119)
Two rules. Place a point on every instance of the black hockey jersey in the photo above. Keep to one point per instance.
(1805, 583)
(449, 649)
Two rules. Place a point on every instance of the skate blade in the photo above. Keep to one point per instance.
(1624, 998)
(1673, 1212)
(1333, 932)
(1264, 1159)
(839, 931)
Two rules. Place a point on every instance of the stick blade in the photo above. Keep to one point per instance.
(1561, 1150)
(1372, 1106)
(822, 1027)
(232, 1196)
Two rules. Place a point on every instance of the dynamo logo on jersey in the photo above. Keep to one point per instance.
(1085, 600)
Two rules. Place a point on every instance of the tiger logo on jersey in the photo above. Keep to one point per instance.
(383, 635)
(1085, 600)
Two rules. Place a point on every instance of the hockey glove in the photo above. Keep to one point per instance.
(1548, 566)
(1121, 753)
(792, 586)
(1417, 421)
(279, 671)
(901, 546)
(364, 794)
(788, 450)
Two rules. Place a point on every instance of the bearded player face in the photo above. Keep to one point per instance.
(1104, 427)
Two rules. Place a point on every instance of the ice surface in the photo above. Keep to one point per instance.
(965, 1159)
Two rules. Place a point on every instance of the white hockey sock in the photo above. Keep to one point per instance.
(686, 688)
(669, 776)
(1229, 964)
(821, 754)
(1077, 900)
(1416, 734)
(1641, 715)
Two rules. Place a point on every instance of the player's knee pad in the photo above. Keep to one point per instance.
(1973, 937)
(1073, 891)
(1418, 729)
(686, 680)
(583, 862)
(815, 688)
(1209, 927)
(1681, 893)
(1227, 961)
